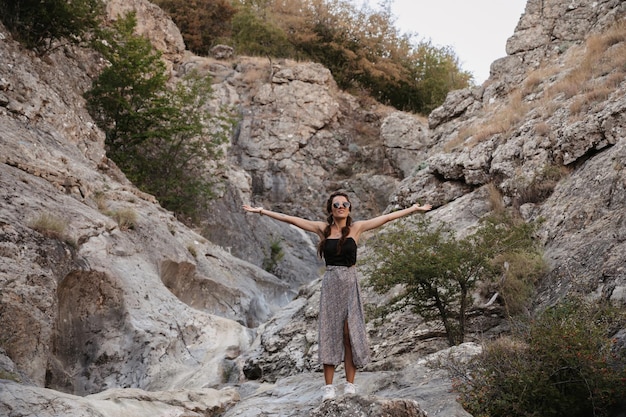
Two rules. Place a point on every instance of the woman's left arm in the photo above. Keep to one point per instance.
(378, 221)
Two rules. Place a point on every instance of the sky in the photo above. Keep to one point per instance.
(477, 30)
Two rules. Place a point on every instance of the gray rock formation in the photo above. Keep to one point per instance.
(96, 305)
(538, 126)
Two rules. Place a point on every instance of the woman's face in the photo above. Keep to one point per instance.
(340, 207)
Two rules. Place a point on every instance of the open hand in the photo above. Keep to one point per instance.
(425, 207)
(251, 209)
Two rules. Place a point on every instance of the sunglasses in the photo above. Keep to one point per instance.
(345, 204)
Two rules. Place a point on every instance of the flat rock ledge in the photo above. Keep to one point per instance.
(368, 406)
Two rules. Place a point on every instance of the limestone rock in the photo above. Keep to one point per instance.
(354, 406)
(17, 399)
(406, 141)
(222, 51)
(153, 23)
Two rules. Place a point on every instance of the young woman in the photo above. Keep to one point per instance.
(342, 335)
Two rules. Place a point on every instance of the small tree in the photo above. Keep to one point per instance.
(127, 99)
(39, 23)
(162, 138)
(436, 272)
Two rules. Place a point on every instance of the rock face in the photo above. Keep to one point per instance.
(92, 304)
(298, 137)
(538, 125)
(115, 402)
(101, 317)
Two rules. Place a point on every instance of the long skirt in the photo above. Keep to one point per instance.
(340, 300)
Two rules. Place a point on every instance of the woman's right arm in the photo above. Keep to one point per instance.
(304, 224)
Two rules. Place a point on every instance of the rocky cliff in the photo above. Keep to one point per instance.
(110, 306)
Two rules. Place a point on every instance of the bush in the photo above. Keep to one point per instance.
(252, 35)
(39, 23)
(126, 218)
(563, 364)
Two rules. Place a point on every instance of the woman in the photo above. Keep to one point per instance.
(342, 334)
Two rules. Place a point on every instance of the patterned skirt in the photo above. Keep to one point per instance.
(340, 300)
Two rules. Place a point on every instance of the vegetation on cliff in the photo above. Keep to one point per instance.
(363, 49)
(160, 136)
(39, 24)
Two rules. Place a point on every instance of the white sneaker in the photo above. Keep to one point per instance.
(328, 392)
(349, 389)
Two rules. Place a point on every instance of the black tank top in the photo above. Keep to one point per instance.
(347, 256)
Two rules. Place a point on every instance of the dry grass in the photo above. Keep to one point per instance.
(583, 103)
(613, 81)
(496, 202)
(99, 197)
(504, 120)
(535, 79)
(532, 82)
(597, 68)
(542, 129)
(49, 225)
(126, 218)
(256, 75)
(462, 135)
(577, 106)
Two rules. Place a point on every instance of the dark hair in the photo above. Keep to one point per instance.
(329, 219)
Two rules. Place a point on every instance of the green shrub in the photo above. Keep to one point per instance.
(563, 364)
(270, 263)
(11, 376)
(254, 36)
(39, 23)
(518, 274)
(162, 138)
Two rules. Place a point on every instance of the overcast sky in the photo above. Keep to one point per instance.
(477, 30)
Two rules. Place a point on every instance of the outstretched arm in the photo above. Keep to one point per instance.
(304, 224)
(380, 220)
